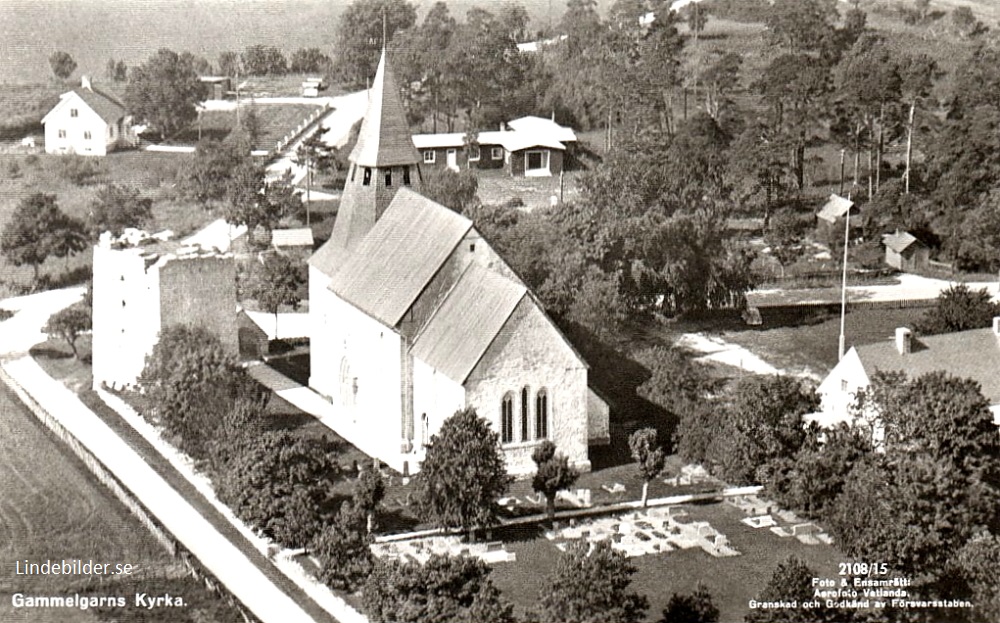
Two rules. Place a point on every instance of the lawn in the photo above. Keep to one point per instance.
(276, 120)
(496, 187)
(732, 581)
(802, 339)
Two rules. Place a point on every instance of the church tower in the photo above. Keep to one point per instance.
(383, 160)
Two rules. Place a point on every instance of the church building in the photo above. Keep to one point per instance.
(415, 316)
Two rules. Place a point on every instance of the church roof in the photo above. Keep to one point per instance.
(462, 328)
(384, 139)
(389, 269)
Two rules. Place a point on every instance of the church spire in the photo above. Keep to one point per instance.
(383, 160)
(385, 138)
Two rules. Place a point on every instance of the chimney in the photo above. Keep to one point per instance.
(85, 82)
(904, 340)
(996, 326)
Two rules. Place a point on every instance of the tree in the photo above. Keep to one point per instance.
(959, 308)
(940, 455)
(763, 423)
(69, 323)
(369, 489)
(976, 243)
(463, 474)
(792, 581)
(801, 24)
(207, 174)
(343, 549)
(590, 585)
(694, 608)
(917, 74)
(443, 590)
(697, 19)
(38, 229)
(255, 202)
(649, 455)
(191, 381)
(360, 35)
(164, 92)
(552, 475)
(280, 486)
(455, 190)
(251, 125)
(976, 564)
(117, 207)
(62, 64)
(276, 282)
(229, 64)
(263, 60)
(309, 60)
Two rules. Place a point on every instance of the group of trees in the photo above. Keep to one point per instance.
(268, 60)
(933, 441)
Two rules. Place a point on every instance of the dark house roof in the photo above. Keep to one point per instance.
(384, 139)
(393, 264)
(900, 241)
(973, 354)
(108, 108)
(462, 328)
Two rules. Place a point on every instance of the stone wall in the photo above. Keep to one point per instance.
(200, 291)
(530, 352)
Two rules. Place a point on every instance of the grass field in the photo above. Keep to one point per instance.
(51, 507)
(154, 174)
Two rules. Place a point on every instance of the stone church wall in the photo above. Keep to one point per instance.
(530, 352)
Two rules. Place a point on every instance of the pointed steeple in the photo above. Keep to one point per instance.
(383, 160)
(385, 138)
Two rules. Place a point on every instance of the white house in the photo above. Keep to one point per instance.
(89, 122)
(973, 354)
(415, 316)
(525, 147)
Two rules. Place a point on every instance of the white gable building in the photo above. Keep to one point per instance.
(87, 122)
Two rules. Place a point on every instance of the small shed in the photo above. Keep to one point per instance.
(312, 86)
(294, 243)
(218, 86)
(834, 210)
(904, 251)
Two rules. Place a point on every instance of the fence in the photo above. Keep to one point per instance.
(298, 131)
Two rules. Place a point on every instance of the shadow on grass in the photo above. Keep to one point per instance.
(49, 353)
(615, 378)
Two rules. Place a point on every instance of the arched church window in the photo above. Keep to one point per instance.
(367, 179)
(541, 414)
(507, 418)
(524, 414)
(425, 436)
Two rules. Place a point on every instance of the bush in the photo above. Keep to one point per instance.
(80, 170)
(959, 308)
